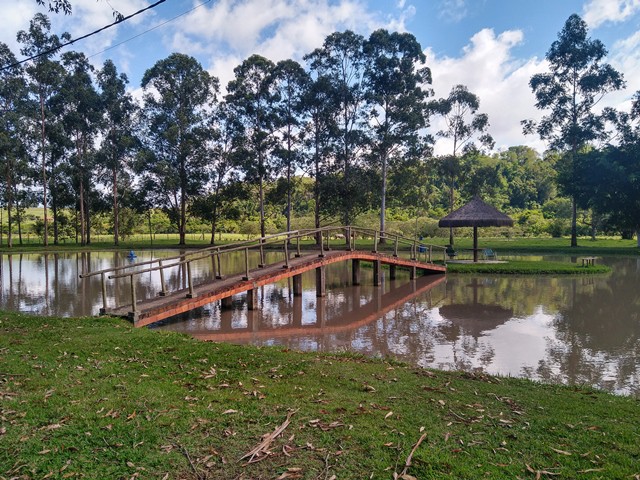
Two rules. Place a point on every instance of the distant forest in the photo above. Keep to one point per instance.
(343, 138)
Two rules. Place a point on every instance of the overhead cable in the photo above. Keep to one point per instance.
(70, 42)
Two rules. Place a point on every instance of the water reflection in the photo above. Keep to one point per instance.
(571, 330)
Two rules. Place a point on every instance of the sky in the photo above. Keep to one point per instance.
(491, 46)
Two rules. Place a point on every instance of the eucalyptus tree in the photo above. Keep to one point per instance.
(44, 76)
(396, 90)
(320, 128)
(342, 62)
(289, 83)
(79, 105)
(463, 125)
(252, 103)
(576, 81)
(61, 174)
(178, 97)
(13, 97)
(118, 138)
(224, 186)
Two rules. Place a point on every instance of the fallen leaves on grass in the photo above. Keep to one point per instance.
(261, 451)
(403, 475)
(539, 473)
(291, 473)
(325, 426)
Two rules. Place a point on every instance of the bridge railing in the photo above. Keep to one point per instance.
(291, 240)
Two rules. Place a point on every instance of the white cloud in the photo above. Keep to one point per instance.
(453, 10)
(231, 30)
(489, 70)
(597, 12)
(625, 57)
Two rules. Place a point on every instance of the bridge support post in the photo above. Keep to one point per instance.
(214, 273)
(246, 262)
(355, 271)
(377, 273)
(286, 254)
(133, 314)
(321, 245)
(163, 285)
(191, 293)
(392, 272)
(103, 310)
(226, 303)
(297, 285)
(219, 275)
(262, 263)
(413, 273)
(321, 286)
(252, 299)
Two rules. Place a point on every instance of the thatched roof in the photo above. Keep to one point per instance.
(476, 213)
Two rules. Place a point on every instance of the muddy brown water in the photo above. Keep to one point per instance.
(571, 330)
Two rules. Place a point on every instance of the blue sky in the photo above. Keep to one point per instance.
(492, 46)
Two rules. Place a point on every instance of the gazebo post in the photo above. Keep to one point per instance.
(475, 244)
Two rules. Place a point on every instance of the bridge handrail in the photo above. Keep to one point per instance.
(235, 247)
(183, 256)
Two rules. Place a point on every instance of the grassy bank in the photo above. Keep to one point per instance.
(528, 268)
(557, 246)
(95, 398)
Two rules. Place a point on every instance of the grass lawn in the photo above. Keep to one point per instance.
(95, 398)
(528, 267)
(560, 246)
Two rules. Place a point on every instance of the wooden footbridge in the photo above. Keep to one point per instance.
(398, 252)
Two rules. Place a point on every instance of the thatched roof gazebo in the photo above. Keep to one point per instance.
(476, 214)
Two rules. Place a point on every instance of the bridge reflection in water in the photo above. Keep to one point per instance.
(304, 316)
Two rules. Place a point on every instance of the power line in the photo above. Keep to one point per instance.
(149, 30)
(70, 42)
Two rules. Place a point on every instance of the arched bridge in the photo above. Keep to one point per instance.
(294, 257)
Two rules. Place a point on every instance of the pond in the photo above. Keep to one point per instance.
(571, 330)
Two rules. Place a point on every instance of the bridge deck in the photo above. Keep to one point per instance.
(159, 308)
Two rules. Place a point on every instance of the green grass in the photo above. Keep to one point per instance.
(95, 398)
(528, 268)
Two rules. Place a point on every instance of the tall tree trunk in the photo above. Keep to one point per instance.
(289, 181)
(574, 206)
(116, 219)
(347, 216)
(54, 208)
(83, 239)
(18, 214)
(451, 203)
(9, 205)
(261, 196)
(44, 171)
(214, 225)
(150, 228)
(383, 199)
(574, 222)
(182, 223)
(316, 186)
(87, 212)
